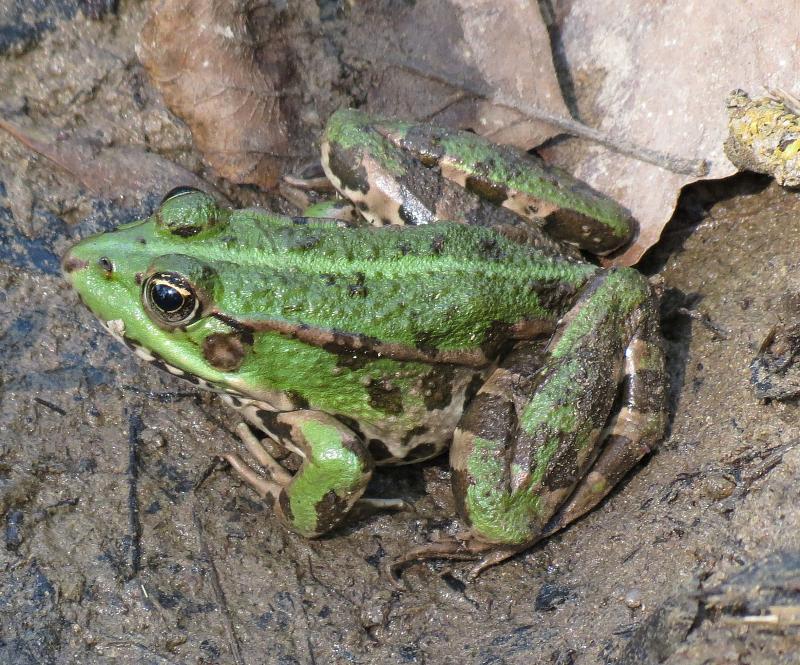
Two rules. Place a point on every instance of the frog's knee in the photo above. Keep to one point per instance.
(493, 511)
(630, 287)
(319, 505)
(499, 517)
(331, 479)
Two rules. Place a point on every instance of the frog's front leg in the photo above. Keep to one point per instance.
(335, 470)
(538, 448)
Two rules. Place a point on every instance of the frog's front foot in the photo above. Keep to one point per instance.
(334, 472)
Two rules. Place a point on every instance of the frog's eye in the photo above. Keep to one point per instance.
(175, 192)
(170, 299)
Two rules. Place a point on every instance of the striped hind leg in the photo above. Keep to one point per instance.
(535, 451)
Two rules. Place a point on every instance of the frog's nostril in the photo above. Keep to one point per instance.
(71, 264)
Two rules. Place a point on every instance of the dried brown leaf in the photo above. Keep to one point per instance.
(205, 61)
(127, 173)
(660, 75)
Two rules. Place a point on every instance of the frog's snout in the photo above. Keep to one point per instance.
(82, 256)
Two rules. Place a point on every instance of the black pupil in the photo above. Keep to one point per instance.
(167, 298)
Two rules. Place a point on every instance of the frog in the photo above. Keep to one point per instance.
(454, 309)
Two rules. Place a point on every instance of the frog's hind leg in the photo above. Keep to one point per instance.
(529, 437)
(634, 429)
(567, 209)
(334, 472)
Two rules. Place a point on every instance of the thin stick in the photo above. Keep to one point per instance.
(693, 167)
(227, 621)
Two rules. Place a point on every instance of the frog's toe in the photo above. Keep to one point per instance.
(262, 486)
(494, 557)
(279, 475)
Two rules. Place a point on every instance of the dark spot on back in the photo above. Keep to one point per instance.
(425, 342)
(423, 451)
(406, 213)
(490, 417)
(297, 399)
(309, 242)
(568, 225)
(562, 471)
(414, 431)
(186, 231)
(346, 165)
(352, 425)
(347, 357)
(386, 398)
(437, 387)
(553, 294)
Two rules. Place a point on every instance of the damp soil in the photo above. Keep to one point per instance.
(122, 541)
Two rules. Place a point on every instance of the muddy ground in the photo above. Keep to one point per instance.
(118, 548)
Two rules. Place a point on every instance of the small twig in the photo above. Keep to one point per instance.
(692, 167)
(50, 406)
(219, 594)
(703, 319)
(119, 644)
(779, 615)
(135, 427)
(301, 618)
(790, 101)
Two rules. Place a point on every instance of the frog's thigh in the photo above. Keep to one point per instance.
(568, 208)
(334, 473)
(525, 442)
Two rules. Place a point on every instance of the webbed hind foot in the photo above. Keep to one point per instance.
(455, 548)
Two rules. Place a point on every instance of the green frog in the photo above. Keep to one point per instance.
(410, 328)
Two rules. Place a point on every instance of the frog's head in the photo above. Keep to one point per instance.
(154, 286)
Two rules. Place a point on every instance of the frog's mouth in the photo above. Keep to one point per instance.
(116, 328)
